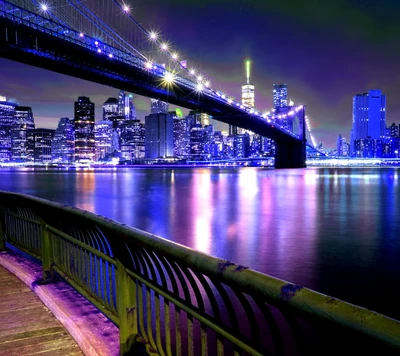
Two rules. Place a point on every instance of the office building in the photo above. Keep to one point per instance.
(159, 136)
(369, 118)
(84, 129)
(103, 137)
(39, 144)
(23, 121)
(280, 95)
(132, 140)
(126, 108)
(158, 107)
(7, 111)
(181, 137)
(62, 146)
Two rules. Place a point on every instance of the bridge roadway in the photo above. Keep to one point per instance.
(25, 41)
(27, 327)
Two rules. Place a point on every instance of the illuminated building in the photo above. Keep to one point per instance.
(132, 140)
(393, 130)
(111, 111)
(39, 144)
(247, 96)
(158, 107)
(181, 137)
(159, 136)
(23, 121)
(84, 129)
(103, 137)
(62, 147)
(241, 146)
(280, 95)
(369, 117)
(7, 111)
(126, 109)
(248, 88)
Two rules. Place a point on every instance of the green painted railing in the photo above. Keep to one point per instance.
(180, 301)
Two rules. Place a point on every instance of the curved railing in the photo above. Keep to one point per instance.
(180, 301)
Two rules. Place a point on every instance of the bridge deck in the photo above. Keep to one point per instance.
(27, 327)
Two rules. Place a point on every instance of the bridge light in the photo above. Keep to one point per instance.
(110, 55)
(153, 35)
(169, 78)
(99, 50)
(199, 87)
(81, 35)
(44, 7)
(207, 84)
(96, 43)
(252, 111)
(148, 65)
(199, 78)
(223, 96)
(174, 55)
(125, 7)
(192, 72)
(230, 101)
(164, 47)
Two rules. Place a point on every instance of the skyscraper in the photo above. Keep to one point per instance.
(280, 95)
(111, 111)
(248, 88)
(159, 136)
(39, 143)
(103, 135)
(369, 116)
(23, 121)
(158, 107)
(7, 111)
(132, 140)
(62, 146)
(84, 129)
(126, 107)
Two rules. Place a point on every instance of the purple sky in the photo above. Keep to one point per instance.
(326, 51)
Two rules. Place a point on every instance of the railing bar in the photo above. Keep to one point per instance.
(149, 318)
(204, 340)
(167, 320)
(22, 218)
(202, 318)
(141, 313)
(160, 348)
(190, 335)
(98, 304)
(81, 244)
(220, 347)
(178, 336)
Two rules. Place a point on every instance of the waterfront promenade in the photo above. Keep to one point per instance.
(51, 319)
(27, 327)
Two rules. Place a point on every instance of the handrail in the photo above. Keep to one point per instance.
(175, 297)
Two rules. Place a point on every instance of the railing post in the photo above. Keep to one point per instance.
(2, 232)
(47, 254)
(127, 311)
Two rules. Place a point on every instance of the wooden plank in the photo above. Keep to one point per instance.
(27, 327)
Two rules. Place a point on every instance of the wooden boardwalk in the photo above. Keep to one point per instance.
(27, 327)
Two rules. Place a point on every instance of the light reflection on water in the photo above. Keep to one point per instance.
(333, 230)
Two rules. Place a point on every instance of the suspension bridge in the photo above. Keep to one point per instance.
(101, 41)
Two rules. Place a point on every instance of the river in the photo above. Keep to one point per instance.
(334, 230)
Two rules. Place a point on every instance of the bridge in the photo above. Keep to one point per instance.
(168, 299)
(59, 37)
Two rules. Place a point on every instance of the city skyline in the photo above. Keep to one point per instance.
(323, 70)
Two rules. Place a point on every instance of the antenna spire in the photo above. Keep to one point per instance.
(248, 69)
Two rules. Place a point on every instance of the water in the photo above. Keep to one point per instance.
(333, 230)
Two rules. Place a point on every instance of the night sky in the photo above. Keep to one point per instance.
(326, 51)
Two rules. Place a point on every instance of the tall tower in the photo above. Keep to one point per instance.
(280, 95)
(23, 121)
(369, 116)
(248, 88)
(84, 129)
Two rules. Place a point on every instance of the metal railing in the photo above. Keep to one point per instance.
(180, 301)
